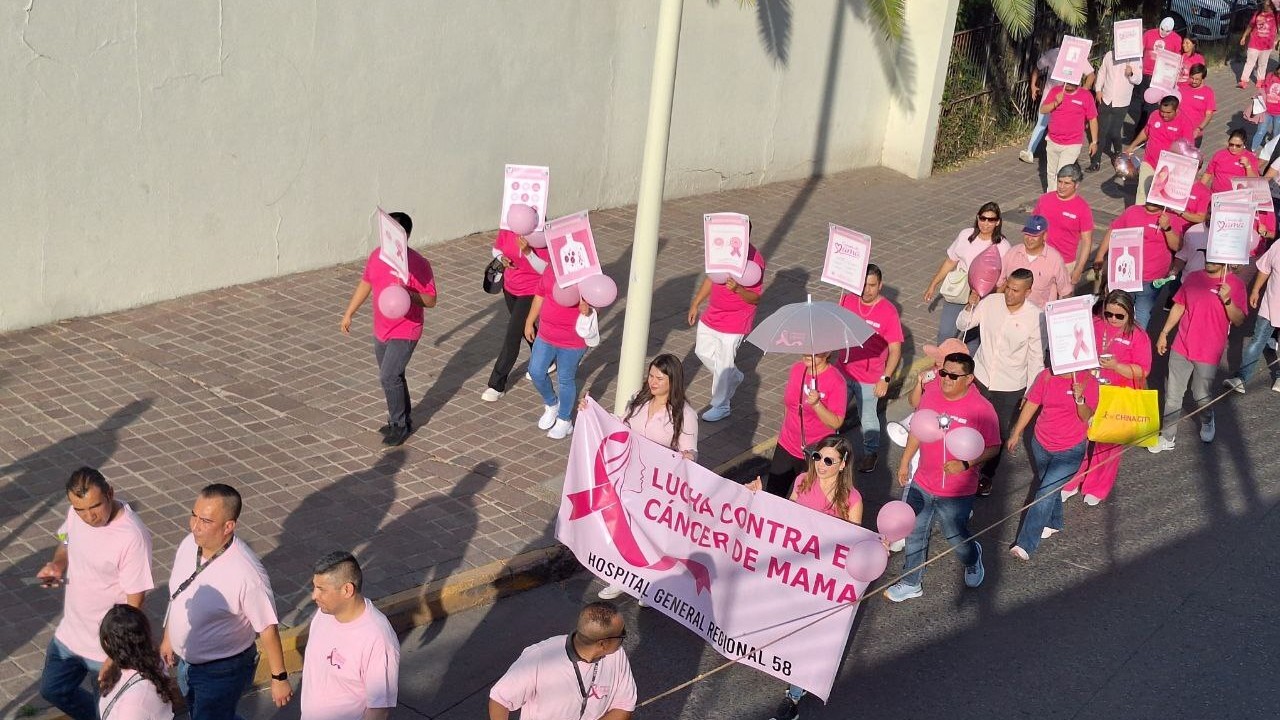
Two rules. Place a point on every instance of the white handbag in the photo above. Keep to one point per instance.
(955, 286)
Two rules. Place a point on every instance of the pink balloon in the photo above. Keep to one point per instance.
(522, 219)
(718, 278)
(567, 297)
(965, 443)
(536, 239)
(984, 271)
(867, 560)
(896, 520)
(393, 302)
(599, 290)
(1183, 146)
(751, 275)
(924, 425)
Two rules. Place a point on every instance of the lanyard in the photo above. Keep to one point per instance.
(132, 681)
(583, 689)
(199, 569)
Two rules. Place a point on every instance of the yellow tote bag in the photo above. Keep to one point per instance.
(1125, 416)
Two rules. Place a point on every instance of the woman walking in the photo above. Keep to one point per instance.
(524, 266)
(986, 231)
(133, 686)
(560, 335)
(814, 403)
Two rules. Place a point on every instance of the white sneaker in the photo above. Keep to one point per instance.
(1272, 344)
(548, 418)
(1208, 430)
(610, 592)
(897, 431)
(560, 430)
(1019, 553)
(1048, 532)
(1162, 443)
(1067, 495)
(897, 546)
(1234, 384)
(716, 414)
(1026, 156)
(491, 395)
(1276, 385)
(1092, 500)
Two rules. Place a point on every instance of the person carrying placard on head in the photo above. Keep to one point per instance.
(524, 265)
(560, 335)
(1159, 241)
(1161, 37)
(1071, 109)
(721, 329)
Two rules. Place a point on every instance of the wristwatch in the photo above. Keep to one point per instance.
(283, 676)
(965, 463)
(885, 378)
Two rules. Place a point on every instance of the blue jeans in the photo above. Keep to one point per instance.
(1144, 303)
(1251, 354)
(213, 689)
(952, 513)
(1055, 468)
(62, 682)
(1037, 132)
(566, 360)
(1268, 125)
(869, 417)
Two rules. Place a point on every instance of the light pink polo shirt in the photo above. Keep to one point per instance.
(349, 666)
(1269, 307)
(965, 252)
(225, 607)
(103, 566)
(542, 685)
(141, 701)
(1050, 280)
(661, 430)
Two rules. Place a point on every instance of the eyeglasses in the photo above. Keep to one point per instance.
(1113, 316)
(951, 375)
(988, 218)
(623, 636)
(826, 459)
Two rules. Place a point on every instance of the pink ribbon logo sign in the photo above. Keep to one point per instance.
(1081, 346)
(603, 498)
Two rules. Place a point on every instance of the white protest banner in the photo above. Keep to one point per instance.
(1230, 230)
(393, 244)
(1259, 188)
(525, 185)
(1230, 197)
(848, 254)
(760, 578)
(1165, 73)
(1072, 64)
(1172, 181)
(1124, 259)
(572, 248)
(1128, 40)
(725, 241)
(1069, 323)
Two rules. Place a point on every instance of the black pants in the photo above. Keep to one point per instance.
(1110, 132)
(393, 357)
(1007, 404)
(783, 470)
(1139, 108)
(518, 307)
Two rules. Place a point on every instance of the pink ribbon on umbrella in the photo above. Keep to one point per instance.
(603, 498)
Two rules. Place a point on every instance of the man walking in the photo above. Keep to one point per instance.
(1070, 108)
(107, 550)
(351, 670)
(871, 366)
(1114, 93)
(1159, 133)
(1070, 220)
(219, 600)
(1050, 281)
(721, 330)
(584, 674)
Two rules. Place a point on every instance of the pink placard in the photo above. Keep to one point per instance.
(525, 185)
(1072, 64)
(1069, 323)
(725, 240)
(848, 254)
(1172, 181)
(1124, 260)
(1165, 73)
(393, 245)
(1128, 40)
(1230, 234)
(572, 248)
(1230, 197)
(1259, 188)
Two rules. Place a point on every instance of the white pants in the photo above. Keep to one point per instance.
(1057, 157)
(1255, 59)
(717, 351)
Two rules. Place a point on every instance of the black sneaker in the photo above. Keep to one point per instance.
(397, 435)
(385, 430)
(788, 709)
(1093, 167)
(984, 487)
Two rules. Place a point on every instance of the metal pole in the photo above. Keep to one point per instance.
(653, 171)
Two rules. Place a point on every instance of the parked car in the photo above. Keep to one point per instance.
(1208, 19)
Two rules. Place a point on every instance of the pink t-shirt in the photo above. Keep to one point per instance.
(1156, 255)
(1161, 133)
(1196, 103)
(1224, 166)
(815, 499)
(1059, 427)
(1269, 307)
(349, 666)
(1151, 40)
(661, 430)
(521, 279)
(728, 313)
(1198, 199)
(1129, 349)
(970, 410)
(1271, 93)
(1266, 220)
(964, 252)
(1066, 121)
(1050, 278)
(139, 701)
(557, 324)
(542, 684)
(1202, 332)
(866, 364)
(104, 565)
(833, 393)
(225, 606)
(379, 276)
(1067, 219)
(1184, 74)
(1262, 35)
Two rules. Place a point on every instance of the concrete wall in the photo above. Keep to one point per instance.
(157, 148)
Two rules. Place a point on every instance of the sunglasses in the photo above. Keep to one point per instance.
(825, 459)
(1113, 316)
(951, 375)
(1235, 145)
(988, 218)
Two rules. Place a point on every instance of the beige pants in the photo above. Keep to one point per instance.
(1145, 173)
(1059, 156)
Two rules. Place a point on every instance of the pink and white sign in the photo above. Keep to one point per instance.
(1128, 40)
(1165, 73)
(1230, 197)
(1124, 260)
(1230, 234)
(697, 546)
(525, 185)
(725, 239)
(1259, 188)
(1069, 323)
(1172, 181)
(572, 248)
(393, 245)
(1072, 64)
(848, 254)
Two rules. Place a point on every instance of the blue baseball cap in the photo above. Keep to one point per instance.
(1036, 224)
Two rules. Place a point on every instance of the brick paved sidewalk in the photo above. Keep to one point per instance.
(255, 386)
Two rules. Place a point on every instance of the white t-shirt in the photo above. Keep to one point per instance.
(349, 666)
(541, 683)
(224, 608)
(137, 701)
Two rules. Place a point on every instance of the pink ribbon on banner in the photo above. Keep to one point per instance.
(603, 498)
(1080, 343)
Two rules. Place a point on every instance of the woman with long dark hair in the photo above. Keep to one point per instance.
(133, 686)
(987, 230)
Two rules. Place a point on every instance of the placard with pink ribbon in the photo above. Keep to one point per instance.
(1069, 323)
(525, 185)
(1230, 234)
(761, 579)
(1072, 64)
(1164, 75)
(1171, 183)
(725, 239)
(572, 248)
(1260, 190)
(1127, 36)
(848, 254)
(393, 245)
(1124, 260)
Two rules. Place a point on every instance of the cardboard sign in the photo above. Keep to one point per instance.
(1165, 73)
(1172, 181)
(1231, 197)
(848, 254)
(726, 240)
(1230, 233)
(393, 245)
(1259, 188)
(1128, 40)
(525, 185)
(1124, 259)
(1072, 64)
(572, 248)
(1069, 323)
